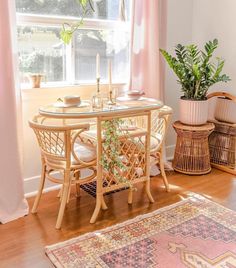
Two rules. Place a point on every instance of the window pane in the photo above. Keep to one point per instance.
(104, 9)
(112, 45)
(41, 51)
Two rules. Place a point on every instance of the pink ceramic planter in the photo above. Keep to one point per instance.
(225, 110)
(193, 112)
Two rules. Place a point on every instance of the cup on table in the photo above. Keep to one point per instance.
(97, 101)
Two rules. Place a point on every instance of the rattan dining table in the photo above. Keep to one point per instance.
(135, 142)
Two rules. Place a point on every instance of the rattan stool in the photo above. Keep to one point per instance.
(192, 150)
(222, 143)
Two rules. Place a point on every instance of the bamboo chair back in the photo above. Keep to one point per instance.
(57, 141)
(60, 163)
(159, 123)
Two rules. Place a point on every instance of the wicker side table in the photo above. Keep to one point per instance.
(192, 150)
(222, 143)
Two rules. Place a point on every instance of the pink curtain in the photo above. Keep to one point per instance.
(148, 21)
(12, 202)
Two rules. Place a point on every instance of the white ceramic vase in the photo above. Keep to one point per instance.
(193, 112)
(225, 110)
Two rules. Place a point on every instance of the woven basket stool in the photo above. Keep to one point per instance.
(192, 150)
(222, 143)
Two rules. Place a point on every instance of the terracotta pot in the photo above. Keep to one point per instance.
(193, 112)
(35, 80)
(225, 110)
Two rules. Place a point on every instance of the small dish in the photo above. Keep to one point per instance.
(135, 93)
(128, 128)
(61, 104)
(72, 100)
(129, 98)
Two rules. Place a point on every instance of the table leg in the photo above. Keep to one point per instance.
(147, 145)
(104, 206)
(100, 203)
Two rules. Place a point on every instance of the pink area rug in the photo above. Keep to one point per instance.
(195, 232)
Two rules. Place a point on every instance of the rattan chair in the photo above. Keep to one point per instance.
(63, 152)
(160, 122)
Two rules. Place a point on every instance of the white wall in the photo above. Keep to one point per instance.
(217, 19)
(179, 30)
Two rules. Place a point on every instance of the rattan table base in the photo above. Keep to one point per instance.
(192, 150)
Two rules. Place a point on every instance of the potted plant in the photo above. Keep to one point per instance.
(196, 74)
(33, 66)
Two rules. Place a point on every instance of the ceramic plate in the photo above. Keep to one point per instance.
(60, 104)
(129, 98)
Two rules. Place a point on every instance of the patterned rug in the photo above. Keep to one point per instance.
(195, 232)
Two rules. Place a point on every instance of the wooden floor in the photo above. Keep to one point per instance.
(22, 241)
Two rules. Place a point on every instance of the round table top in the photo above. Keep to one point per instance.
(206, 127)
(86, 111)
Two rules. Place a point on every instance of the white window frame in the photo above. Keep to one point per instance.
(57, 21)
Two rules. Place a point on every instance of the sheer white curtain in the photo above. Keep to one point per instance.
(147, 35)
(12, 202)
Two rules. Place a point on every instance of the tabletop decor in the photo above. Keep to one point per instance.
(195, 232)
(196, 74)
(97, 100)
(111, 95)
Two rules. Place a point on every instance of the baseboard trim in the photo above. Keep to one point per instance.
(31, 186)
(45, 190)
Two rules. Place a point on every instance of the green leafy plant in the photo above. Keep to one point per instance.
(68, 29)
(111, 161)
(195, 70)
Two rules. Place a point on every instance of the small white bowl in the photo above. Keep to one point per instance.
(134, 93)
(72, 100)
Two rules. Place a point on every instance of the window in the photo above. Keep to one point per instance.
(42, 51)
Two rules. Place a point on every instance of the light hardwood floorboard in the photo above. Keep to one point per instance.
(22, 241)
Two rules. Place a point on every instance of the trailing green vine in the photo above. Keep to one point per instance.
(111, 160)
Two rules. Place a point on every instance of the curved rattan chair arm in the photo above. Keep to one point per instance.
(164, 113)
(165, 110)
(222, 94)
(37, 122)
(75, 136)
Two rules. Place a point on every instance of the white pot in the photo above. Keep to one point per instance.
(193, 112)
(225, 110)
